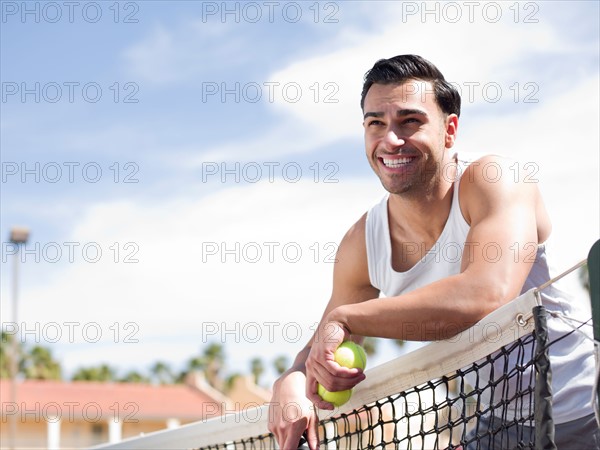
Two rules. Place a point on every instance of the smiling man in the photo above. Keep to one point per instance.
(438, 198)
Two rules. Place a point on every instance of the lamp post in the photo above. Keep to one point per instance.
(18, 236)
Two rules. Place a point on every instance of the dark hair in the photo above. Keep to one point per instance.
(402, 68)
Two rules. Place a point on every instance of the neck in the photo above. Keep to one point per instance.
(425, 212)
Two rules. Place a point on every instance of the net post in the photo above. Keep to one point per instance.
(593, 263)
(593, 266)
(544, 423)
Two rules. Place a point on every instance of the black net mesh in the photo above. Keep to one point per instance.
(488, 404)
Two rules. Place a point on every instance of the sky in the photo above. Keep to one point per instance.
(187, 169)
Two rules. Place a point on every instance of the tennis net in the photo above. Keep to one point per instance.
(475, 390)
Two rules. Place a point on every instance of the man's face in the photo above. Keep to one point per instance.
(406, 136)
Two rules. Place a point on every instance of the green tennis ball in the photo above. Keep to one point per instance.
(335, 398)
(350, 354)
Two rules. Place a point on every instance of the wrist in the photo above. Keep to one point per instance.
(337, 316)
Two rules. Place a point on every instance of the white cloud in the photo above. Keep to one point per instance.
(168, 56)
(559, 138)
(170, 294)
(489, 59)
(330, 82)
(559, 133)
(290, 137)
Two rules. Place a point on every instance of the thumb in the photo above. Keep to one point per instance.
(312, 432)
(312, 437)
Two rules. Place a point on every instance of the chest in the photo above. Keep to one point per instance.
(408, 251)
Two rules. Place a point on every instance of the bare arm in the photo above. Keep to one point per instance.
(351, 285)
(502, 215)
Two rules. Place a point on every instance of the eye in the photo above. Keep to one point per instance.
(375, 123)
(412, 120)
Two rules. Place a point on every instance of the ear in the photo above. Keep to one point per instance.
(451, 130)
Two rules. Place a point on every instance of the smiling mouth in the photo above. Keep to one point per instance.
(396, 163)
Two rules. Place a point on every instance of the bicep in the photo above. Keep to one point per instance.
(502, 242)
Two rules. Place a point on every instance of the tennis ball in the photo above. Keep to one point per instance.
(350, 354)
(335, 398)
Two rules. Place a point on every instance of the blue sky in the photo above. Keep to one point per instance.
(162, 136)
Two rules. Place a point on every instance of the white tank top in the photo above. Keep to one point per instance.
(571, 358)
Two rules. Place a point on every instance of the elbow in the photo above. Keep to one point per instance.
(489, 297)
(479, 296)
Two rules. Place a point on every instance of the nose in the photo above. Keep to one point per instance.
(393, 140)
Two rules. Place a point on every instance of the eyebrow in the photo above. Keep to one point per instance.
(399, 113)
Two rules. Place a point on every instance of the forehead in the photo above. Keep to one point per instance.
(410, 94)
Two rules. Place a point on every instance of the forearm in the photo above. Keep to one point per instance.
(299, 364)
(437, 311)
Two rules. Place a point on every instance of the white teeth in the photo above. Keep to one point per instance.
(394, 163)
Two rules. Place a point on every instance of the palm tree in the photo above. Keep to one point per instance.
(230, 381)
(281, 364)
(39, 364)
(399, 342)
(195, 364)
(214, 359)
(162, 373)
(134, 377)
(6, 349)
(257, 367)
(210, 362)
(98, 373)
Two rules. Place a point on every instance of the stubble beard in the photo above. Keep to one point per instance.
(418, 184)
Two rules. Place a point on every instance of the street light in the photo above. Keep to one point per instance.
(18, 236)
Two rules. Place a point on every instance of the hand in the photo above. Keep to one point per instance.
(291, 413)
(321, 367)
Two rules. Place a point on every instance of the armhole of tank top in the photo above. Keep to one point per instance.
(456, 196)
(369, 230)
(377, 222)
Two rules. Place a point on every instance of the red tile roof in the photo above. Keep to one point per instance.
(109, 400)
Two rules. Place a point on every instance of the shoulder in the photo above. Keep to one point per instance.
(495, 181)
(491, 169)
(351, 265)
(354, 241)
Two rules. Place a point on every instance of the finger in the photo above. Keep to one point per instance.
(331, 369)
(311, 390)
(341, 384)
(334, 368)
(335, 383)
(322, 404)
(325, 373)
(312, 435)
(293, 436)
(312, 393)
(343, 372)
(278, 440)
(271, 425)
(280, 437)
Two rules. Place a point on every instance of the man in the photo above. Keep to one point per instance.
(436, 197)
